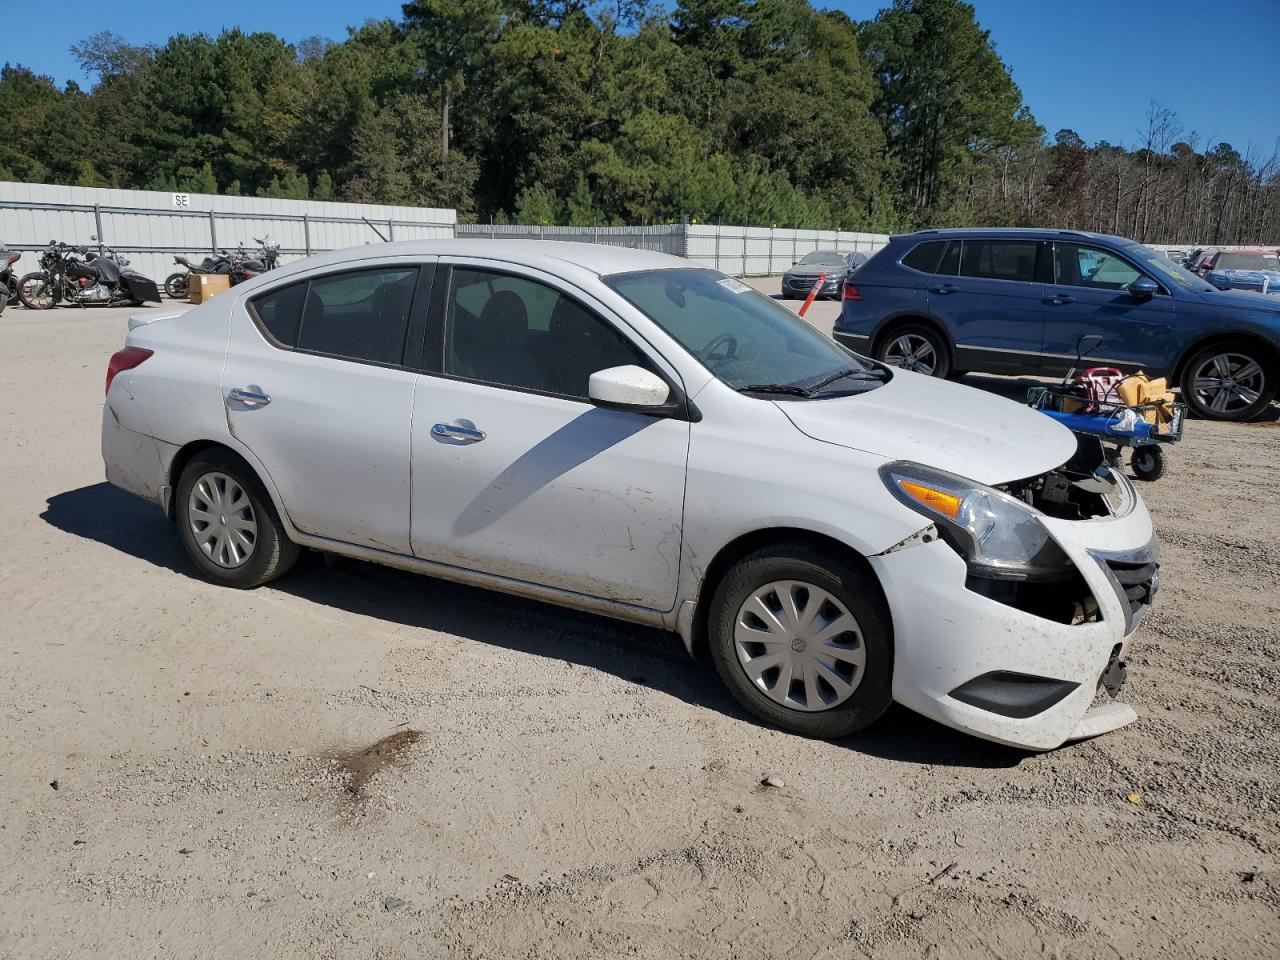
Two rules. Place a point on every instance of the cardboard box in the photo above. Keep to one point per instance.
(202, 286)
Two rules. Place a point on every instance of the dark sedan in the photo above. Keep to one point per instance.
(800, 278)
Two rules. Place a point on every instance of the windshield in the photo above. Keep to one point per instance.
(1166, 269)
(1247, 261)
(743, 337)
(823, 258)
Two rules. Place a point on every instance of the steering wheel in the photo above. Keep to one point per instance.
(725, 340)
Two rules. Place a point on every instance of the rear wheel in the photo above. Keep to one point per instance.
(915, 347)
(36, 291)
(228, 523)
(1232, 380)
(801, 639)
(176, 286)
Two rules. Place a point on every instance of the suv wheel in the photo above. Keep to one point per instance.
(1232, 380)
(228, 523)
(801, 639)
(915, 347)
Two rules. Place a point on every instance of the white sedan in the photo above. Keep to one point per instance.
(631, 434)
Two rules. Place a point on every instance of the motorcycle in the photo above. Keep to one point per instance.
(75, 274)
(8, 282)
(238, 267)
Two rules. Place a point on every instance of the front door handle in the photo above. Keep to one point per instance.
(463, 430)
(944, 288)
(252, 398)
(1060, 300)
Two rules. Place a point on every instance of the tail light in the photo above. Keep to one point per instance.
(849, 292)
(125, 359)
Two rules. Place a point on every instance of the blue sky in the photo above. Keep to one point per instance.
(1092, 65)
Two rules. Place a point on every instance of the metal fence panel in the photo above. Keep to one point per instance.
(150, 227)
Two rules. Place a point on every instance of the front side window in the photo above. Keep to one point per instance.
(515, 332)
(743, 337)
(1077, 265)
(999, 259)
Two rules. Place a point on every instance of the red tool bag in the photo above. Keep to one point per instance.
(1098, 387)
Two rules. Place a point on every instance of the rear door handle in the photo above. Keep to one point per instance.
(465, 431)
(252, 398)
(1060, 300)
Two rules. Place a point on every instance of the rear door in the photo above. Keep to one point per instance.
(316, 387)
(1089, 297)
(988, 295)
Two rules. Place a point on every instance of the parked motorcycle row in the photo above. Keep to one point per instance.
(79, 275)
(239, 266)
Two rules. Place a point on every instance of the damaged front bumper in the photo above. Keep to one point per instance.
(1006, 674)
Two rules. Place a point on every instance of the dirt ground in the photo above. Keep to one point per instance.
(355, 762)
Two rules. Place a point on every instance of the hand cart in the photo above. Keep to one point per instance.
(1143, 427)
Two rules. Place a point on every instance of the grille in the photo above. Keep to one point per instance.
(1137, 582)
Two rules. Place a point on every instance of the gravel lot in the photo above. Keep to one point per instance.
(355, 762)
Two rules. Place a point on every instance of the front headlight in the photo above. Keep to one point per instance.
(999, 536)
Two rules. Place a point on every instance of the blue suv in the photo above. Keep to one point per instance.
(1016, 301)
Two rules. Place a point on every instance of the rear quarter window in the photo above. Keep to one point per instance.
(279, 313)
(925, 256)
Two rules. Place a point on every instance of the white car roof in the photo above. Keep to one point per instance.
(598, 258)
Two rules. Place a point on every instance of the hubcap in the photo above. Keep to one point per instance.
(911, 352)
(1228, 382)
(799, 645)
(222, 520)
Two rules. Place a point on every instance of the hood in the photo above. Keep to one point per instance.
(966, 431)
(1242, 299)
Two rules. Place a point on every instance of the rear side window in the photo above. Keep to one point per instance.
(279, 312)
(925, 256)
(999, 259)
(359, 316)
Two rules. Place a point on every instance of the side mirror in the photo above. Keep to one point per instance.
(629, 388)
(1144, 288)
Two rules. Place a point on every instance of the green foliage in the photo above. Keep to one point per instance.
(559, 111)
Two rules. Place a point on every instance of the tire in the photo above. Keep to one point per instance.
(1147, 463)
(219, 478)
(864, 658)
(917, 347)
(1230, 380)
(31, 285)
(175, 287)
(12, 287)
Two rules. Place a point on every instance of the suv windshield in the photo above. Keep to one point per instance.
(743, 337)
(1246, 261)
(1166, 269)
(823, 258)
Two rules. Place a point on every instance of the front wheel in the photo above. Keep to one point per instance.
(915, 347)
(801, 638)
(1232, 380)
(175, 287)
(1147, 463)
(35, 290)
(228, 523)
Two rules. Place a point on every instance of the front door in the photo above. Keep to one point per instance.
(515, 473)
(992, 302)
(314, 385)
(1090, 298)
